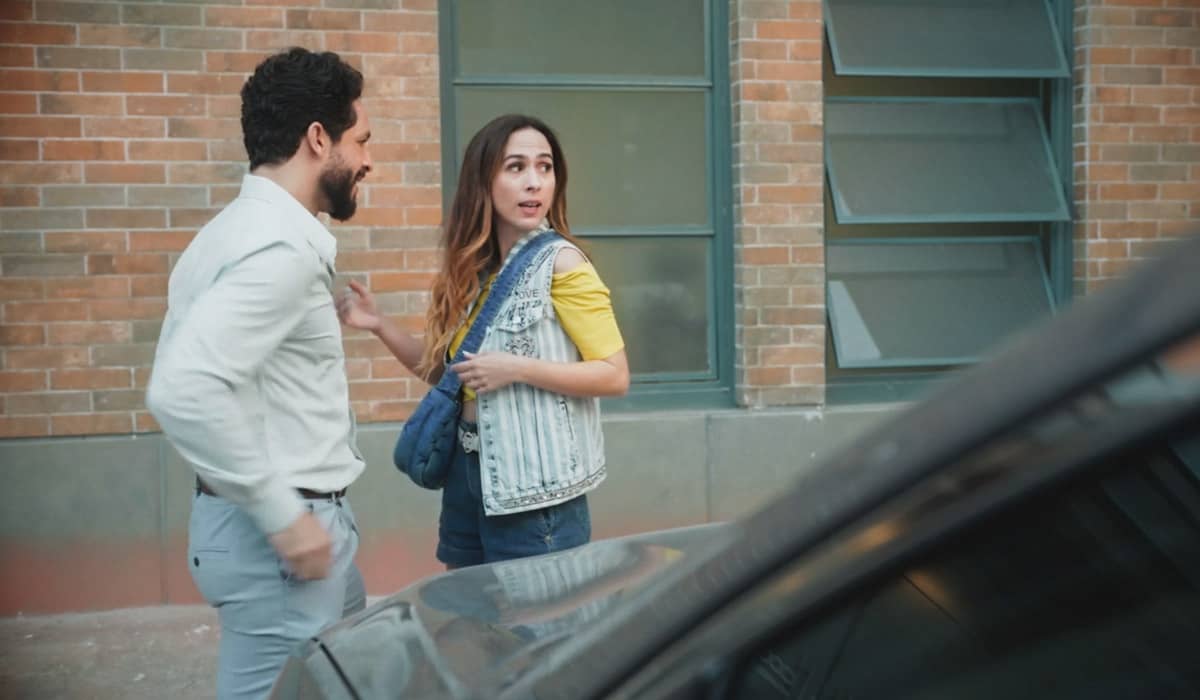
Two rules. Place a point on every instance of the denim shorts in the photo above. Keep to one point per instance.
(466, 536)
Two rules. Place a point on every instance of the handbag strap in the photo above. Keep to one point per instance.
(518, 261)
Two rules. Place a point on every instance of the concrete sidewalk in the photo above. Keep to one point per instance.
(160, 652)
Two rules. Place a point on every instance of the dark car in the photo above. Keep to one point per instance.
(1030, 530)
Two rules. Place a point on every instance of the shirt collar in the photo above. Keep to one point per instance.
(319, 237)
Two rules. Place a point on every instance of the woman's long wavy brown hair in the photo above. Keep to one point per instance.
(469, 240)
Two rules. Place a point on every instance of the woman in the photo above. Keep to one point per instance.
(530, 443)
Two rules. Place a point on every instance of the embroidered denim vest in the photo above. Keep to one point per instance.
(537, 448)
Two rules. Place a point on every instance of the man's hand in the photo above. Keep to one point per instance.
(305, 546)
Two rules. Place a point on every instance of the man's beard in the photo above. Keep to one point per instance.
(337, 187)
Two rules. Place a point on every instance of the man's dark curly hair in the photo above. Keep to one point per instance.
(291, 90)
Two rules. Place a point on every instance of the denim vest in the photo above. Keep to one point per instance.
(536, 448)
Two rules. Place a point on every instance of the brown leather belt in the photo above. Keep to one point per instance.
(203, 488)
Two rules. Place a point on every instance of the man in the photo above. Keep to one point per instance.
(249, 379)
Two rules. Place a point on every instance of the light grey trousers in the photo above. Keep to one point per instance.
(263, 610)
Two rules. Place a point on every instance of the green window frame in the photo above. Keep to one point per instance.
(876, 70)
(667, 260)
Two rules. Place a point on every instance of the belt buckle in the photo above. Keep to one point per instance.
(468, 440)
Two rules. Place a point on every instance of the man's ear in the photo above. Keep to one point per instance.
(317, 140)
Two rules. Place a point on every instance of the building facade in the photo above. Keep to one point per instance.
(809, 212)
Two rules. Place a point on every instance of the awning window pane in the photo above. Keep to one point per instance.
(635, 158)
(663, 38)
(945, 38)
(898, 161)
(930, 302)
(660, 296)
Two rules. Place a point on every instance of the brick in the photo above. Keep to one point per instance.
(241, 62)
(125, 127)
(166, 150)
(127, 355)
(278, 40)
(90, 379)
(324, 19)
(128, 264)
(146, 331)
(1181, 115)
(246, 17)
(48, 402)
(46, 358)
(41, 311)
(122, 82)
(363, 42)
(174, 15)
(1127, 114)
(42, 265)
(227, 39)
(76, 195)
(36, 33)
(1130, 154)
(55, 127)
(224, 106)
(87, 288)
(123, 400)
(1185, 153)
(1163, 18)
(21, 335)
(1110, 55)
(65, 57)
(39, 80)
(83, 150)
(197, 173)
(19, 197)
(120, 35)
(200, 128)
(164, 59)
(18, 103)
(11, 382)
(396, 281)
(1182, 76)
(85, 242)
(155, 196)
(56, 103)
(12, 149)
(77, 12)
(125, 172)
(21, 243)
(103, 333)
(1159, 56)
(1158, 173)
(39, 219)
(1185, 191)
(17, 56)
(164, 105)
(23, 426)
(127, 310)
(149, 286)
(1160, 134)
(190, 218)
(91, 424)
(170, 241)
(204, 84)
(16, 289)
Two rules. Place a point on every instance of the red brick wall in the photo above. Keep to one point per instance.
(778, 177)
(119, 137)
(1137, 131)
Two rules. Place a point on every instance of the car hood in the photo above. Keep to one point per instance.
(470, 632)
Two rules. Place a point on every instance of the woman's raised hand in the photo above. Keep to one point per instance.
(356, 308)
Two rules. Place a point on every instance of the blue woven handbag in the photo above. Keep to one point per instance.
(426, 443)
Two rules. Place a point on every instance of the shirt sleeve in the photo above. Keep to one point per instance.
(584, 308)
(213, 351)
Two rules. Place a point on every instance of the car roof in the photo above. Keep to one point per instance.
(1097, 339)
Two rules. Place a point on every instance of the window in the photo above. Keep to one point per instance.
(947, 174)
(631, 90)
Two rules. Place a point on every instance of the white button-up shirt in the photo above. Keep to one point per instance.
(249, 379)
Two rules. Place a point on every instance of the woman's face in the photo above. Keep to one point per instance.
(524, 188)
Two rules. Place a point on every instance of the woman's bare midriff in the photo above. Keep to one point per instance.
(468, 411)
